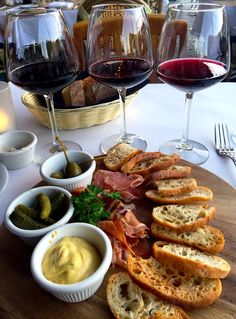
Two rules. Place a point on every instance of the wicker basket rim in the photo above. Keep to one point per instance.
(27, 95)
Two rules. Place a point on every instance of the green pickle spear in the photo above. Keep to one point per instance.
(24, 221)
(45, 205)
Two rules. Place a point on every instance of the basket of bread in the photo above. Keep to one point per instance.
(83, 103)
(182, 269)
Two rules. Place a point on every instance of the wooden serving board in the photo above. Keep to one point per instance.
(22, 298)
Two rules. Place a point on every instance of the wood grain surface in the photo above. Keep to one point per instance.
(22, 298)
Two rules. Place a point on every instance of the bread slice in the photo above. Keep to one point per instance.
(206, 238)
(199, 194)
(118, 155)
(173, 285)
(174, 171)
(191, 260)
(175, 186)
(147, 162)
(127, 300)
(182, 218)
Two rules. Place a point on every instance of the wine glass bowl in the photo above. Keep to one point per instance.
(193, 54)
(41, 58)
(119, 54)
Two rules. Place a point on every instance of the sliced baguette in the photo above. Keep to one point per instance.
(127, 300)
(199, 194)
(147, 162)
(118, 155)
(174, 171)
(206, 238)
(172, 285)
(191, 260)
(175, 186)
(183, 217)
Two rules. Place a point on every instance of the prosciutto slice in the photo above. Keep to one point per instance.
(127, 185)
(127, 234)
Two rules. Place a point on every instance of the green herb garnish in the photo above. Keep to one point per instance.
(89, 205)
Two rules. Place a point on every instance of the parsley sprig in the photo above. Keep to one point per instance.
(89, 205)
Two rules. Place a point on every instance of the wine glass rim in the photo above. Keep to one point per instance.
(116, 6)
(196, 7)
(31, 11)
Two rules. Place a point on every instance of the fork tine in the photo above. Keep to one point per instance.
(222, 137)
(228, 137)
(218, 142)
(225, 134)
(223, 144)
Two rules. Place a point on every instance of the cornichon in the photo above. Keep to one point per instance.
(31, 212)
(23, 221)
(56, 202)
(45, 205)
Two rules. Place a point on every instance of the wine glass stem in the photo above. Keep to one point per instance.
(124, 136)
(184, 144)
(52, 118)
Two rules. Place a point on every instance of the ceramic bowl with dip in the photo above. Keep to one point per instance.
(28, 199)
(17, 148)
(58, 163)
(63, 284)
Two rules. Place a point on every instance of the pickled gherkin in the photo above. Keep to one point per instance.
(57, 203)
(45, 211)
(23, 221)
(31, 212)
(45, 205)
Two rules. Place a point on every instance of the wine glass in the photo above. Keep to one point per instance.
(119, 53)
(193, 54)
(41, 58)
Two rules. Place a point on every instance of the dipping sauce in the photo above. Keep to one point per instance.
(70, 260)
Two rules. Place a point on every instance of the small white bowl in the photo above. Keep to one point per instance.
(17, 148)
(84, 289)
(31, 237)
(58, 162)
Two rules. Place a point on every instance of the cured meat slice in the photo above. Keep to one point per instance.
(127, 234)
(117, 181)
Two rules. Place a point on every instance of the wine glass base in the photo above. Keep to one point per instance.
(44, 151)
(133, 140)
(196, 153)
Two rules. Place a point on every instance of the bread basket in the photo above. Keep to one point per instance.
(74, 118)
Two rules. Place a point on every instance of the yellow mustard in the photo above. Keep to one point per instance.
(70, 260)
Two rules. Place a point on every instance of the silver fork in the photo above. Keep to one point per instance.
(222, 142)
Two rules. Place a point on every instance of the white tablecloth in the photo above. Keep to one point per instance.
(156, 114)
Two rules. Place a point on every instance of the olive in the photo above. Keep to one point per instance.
(58, 175)
(72, 169)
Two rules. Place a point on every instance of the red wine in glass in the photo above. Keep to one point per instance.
(41, 58)
(192, 74)
(42, 77)
(122, 72)
(119, 55)
(193, 54)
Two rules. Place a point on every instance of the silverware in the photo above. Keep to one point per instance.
(222, 142)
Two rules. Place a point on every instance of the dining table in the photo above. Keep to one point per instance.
(156, 113)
